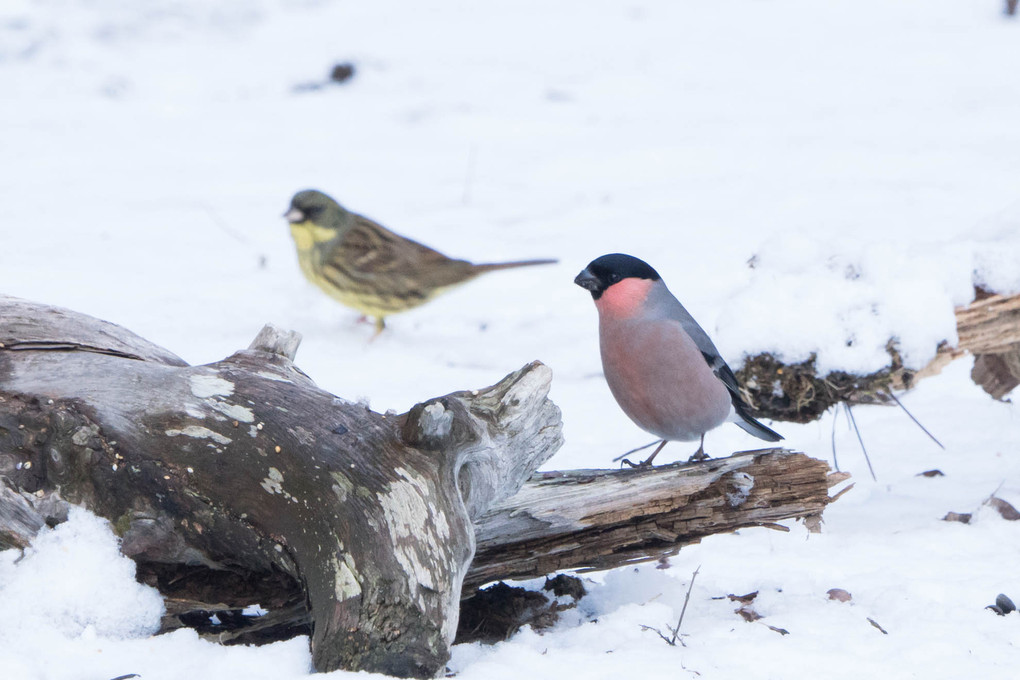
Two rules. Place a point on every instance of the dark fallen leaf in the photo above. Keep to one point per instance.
(564, 584)
(838, 594)
(875, 624)
(743, 598)
(781, 631)
(963, 517)
(1005, 604)
(1003, 508)
(341, 73)
(931, 473)
(125, 677)
(748, 614)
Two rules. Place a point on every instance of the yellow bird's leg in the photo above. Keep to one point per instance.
(380, 324)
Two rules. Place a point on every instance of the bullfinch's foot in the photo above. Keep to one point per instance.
(698, 456)
(647, 462)
(700, 453)
(643, 464)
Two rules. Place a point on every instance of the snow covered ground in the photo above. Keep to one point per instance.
(865, 156)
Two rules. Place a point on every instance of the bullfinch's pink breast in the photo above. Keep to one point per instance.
(624, 299)
(654, 370)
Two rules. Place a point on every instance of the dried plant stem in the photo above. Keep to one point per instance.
(687, 598)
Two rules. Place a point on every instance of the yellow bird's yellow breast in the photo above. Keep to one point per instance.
(309, 239)
(307, 234)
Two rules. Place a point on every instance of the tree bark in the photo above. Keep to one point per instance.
(242, 482)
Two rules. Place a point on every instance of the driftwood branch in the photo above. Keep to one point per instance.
(988, 328)
(241, 482)
(600, 519)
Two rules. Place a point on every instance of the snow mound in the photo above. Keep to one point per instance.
(73, 578)
(844, 299)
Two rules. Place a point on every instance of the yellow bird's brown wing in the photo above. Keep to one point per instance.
(390, 272)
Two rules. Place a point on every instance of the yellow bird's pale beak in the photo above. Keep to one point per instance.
(294, 216)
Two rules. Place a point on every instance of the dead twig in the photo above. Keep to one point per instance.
(672, 640)
(687, 598)
(916, 421)
(835, 461)
(853, 421)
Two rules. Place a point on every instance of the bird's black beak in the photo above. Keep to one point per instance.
(294, 216)
(589, 282)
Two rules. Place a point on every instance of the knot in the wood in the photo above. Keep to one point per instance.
(738, 488)
(435, 420)
(430, 425)
(276, 340)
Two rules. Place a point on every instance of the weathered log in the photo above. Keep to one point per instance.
(246, 466)
(241, 482)
(600, 519)
(988, 328)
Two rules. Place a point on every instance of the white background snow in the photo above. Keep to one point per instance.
(866, 154)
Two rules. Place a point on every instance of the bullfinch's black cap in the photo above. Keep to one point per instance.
(604, 271)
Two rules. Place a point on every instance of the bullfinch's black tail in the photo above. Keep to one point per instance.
(751, 426)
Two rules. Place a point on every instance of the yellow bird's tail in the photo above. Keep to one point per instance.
(495, 266)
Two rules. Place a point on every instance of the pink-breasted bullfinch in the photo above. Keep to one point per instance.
(661, 366)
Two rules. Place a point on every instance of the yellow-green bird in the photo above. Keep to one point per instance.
(368, 267)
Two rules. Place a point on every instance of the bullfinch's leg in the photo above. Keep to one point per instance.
(640, 448)
(700, 453)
